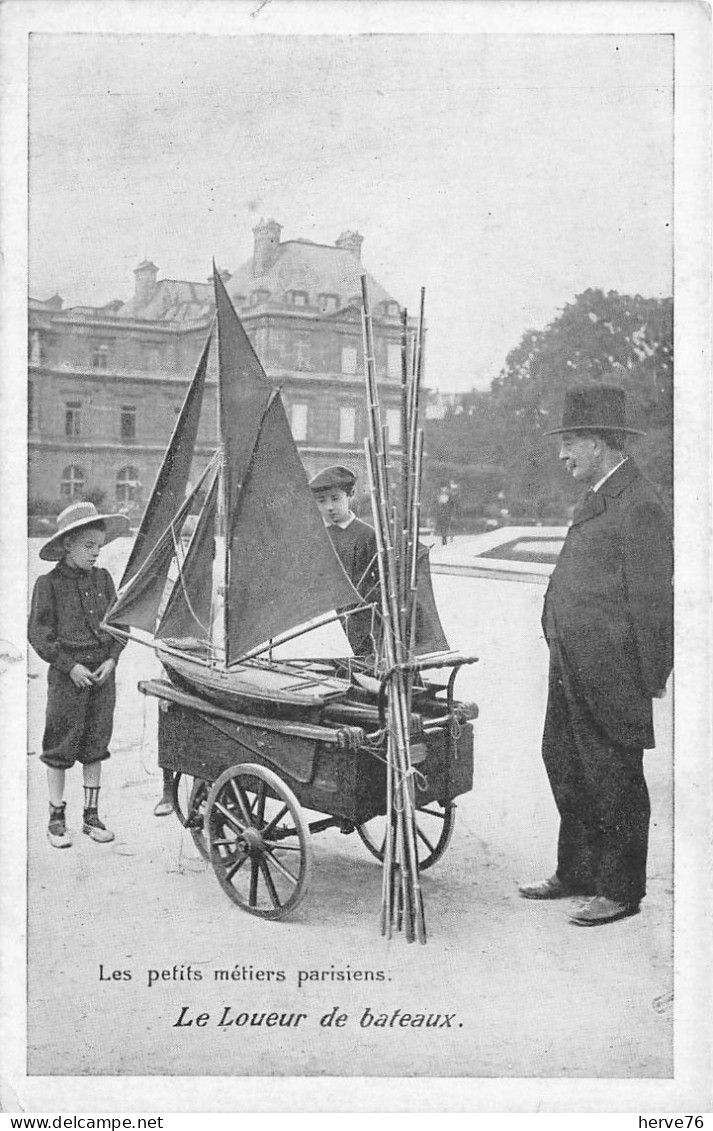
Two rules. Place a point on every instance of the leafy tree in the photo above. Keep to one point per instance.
(466, 447)
(598, 337)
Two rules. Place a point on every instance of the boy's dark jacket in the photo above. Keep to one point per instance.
(609, 604)
(67, 608)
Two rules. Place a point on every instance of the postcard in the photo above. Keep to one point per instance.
(530, 183)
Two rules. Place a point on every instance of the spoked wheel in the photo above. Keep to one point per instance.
(434, 828)
(258, 841)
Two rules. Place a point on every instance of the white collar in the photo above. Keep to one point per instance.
(605, 477)
(342, 525)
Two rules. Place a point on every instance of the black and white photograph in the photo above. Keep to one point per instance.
(355, 557)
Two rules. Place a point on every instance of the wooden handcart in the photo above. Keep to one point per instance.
(254, 776)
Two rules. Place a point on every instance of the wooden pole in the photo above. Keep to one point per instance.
(402, 902)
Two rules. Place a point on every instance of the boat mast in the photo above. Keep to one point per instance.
(222, 523)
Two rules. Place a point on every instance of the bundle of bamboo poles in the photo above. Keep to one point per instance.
(396, 521)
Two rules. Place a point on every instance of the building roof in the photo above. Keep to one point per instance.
(299, 265)
(172, 300)
(317, 269)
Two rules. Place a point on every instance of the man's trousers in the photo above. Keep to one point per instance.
(601, 795)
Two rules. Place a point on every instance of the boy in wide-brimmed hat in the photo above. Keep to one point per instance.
(68, 605)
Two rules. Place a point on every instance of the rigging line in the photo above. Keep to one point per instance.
(180, 580)
(366, 570)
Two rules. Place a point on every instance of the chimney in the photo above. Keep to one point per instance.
(351, 241)
(267, 244)
(145, 275)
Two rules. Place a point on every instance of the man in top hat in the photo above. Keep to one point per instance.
(355, 544)
(608, 622)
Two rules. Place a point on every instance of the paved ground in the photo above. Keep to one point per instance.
(530, 995)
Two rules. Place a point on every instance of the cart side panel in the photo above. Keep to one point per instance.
(448, 767)
(350, 784)
(204, 747)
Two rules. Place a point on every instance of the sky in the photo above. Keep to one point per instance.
(503, 173)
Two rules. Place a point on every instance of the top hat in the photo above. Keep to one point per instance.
(76, 516)
(340, 477)
(595, 408)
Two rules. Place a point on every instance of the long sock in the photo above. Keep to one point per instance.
(91, 796)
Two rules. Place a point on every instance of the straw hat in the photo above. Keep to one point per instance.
(74, 518)
(595, 408)
(340, 477)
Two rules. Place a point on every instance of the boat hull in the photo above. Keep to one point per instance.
(275, 690)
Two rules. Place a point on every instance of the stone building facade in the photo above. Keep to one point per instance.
(106, 384)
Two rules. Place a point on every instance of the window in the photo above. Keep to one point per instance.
(393, 359)
(71, 484)
(36, 349)
(393, 423)
(298, 298)
(128, 422)
(302, 351)
(153, 357)
(347, 424)
(299, 421)
(127, 485)
(329, 302)
(99, 356)
(349, 359)
(73, 418)
(258, 296)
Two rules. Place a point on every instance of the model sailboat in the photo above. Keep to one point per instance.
(259, 565)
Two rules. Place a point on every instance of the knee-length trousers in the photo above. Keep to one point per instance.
(600, 792)
(79, 721)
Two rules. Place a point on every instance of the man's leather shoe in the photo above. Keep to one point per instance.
(602, 910)
(551, 888)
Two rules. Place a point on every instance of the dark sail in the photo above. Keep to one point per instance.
(170, 487)
(245, 393)
(283, 568)
(139, 601)
(430, 636)
(188, 611)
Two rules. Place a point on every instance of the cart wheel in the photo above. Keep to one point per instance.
(434, 827)
(196, 815)
(258, 841)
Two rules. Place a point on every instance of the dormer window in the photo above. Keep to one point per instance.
(329, 302)
(298, 298)
(100, 353)
(390, 309)
(259, 296)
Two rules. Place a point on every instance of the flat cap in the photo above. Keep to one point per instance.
(330, 477)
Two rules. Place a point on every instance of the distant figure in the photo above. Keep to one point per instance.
(608, 622)
(444, 514)
(355, 544)
(68, 605)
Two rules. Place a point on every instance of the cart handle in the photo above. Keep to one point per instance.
(455, 660)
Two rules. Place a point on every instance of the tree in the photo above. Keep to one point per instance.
(466, 447)
(598, 337)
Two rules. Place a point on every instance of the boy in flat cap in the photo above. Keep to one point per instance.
(355, 544)
(68, 606)
(608, 622)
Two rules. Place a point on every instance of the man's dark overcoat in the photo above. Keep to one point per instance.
(609, 604)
